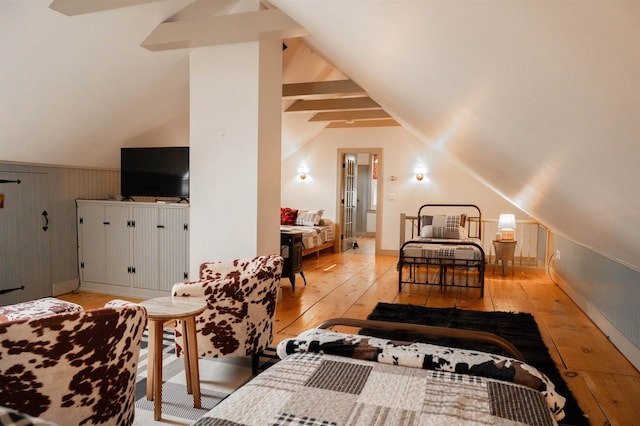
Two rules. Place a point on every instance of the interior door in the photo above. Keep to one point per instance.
(362, 204)
(25, 260)
(349, 201)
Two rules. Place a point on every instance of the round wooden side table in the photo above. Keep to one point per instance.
(159, 311)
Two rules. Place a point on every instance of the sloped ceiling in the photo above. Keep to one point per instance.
(73, 87)
(539, 100)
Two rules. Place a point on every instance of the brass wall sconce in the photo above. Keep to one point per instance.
(302, 172)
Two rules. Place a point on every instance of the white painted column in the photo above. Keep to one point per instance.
(235, 144)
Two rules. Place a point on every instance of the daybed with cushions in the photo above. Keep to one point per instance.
(332, 378)
(317, 232)
(449, 242)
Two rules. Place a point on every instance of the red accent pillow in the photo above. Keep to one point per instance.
(288, 216)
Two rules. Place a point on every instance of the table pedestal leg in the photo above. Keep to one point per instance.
(157, 369)
(150, 354)
(186, 350)
(193, 373)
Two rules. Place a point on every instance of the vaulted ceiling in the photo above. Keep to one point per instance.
(538, 100)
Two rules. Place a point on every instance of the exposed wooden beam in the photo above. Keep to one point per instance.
(224, 29)
(364, 123)
(200, 9)
(80, 7)
(342, 104)
(366, 114)
(322, 90)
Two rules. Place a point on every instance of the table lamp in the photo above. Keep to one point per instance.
(507, 226)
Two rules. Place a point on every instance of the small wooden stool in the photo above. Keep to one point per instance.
(159, 311)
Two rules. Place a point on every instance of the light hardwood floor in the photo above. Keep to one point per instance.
(350, 284)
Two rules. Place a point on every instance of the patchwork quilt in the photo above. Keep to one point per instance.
(428, 248)
(312, 236)
(332, 378)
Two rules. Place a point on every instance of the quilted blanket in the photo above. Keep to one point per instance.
(428, 248)
(334, 378)
(312, 236)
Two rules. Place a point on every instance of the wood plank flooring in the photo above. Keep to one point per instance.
(350, 284)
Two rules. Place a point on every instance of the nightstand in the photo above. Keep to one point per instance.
(505, 252)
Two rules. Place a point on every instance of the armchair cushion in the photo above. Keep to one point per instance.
(241, 301)
(73, 368)
(37, 308)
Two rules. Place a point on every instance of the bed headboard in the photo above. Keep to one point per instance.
(471, 212)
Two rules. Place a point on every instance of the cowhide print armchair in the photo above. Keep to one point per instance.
(73, 368)
(241, 304)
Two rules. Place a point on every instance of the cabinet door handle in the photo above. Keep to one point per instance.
(106, 223)
(45, 215)
(160, 226)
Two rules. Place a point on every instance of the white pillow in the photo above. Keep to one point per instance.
(308, 219)
(439, 221)
(430, 231)
(319, 213)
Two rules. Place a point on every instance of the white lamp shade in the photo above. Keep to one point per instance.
(507, 221)
(507, 226)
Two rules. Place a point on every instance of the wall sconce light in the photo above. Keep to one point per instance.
(419, 173)
(507, 226)
(302, 172)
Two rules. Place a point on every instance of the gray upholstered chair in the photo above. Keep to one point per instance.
(241, 303)
(72, 368)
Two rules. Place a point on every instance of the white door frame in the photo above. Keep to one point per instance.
(379, 191)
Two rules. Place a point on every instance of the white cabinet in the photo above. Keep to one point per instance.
(132, 249)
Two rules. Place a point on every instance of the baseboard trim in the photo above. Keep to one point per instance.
(122, 291)
(619, 340)
(64, 287)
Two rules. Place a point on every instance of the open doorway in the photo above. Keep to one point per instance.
(358, 194)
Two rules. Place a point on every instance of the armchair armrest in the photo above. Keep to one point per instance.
(192, 288)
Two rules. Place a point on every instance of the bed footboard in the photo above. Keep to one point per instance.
(426, 330)
(429, 262)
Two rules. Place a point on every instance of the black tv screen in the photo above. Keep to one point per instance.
(154, 172)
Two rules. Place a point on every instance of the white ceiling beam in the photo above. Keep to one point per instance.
(367, 114)
(341, 104)
(200, 9)
(80, 7)
(364, 123)
(322, 90)
(225, 29)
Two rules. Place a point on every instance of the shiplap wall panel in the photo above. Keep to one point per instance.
(64, 186)
(67, 185)
(591, 276)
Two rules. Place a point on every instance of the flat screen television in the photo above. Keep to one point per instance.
(154, 172)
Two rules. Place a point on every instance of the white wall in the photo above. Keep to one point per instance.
(234, 155)
(172, 133)
(444, 182)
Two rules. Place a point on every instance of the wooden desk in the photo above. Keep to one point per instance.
(505, 252)
(159, 311)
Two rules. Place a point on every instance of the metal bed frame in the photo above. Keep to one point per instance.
(444, 264)
(426, 330)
